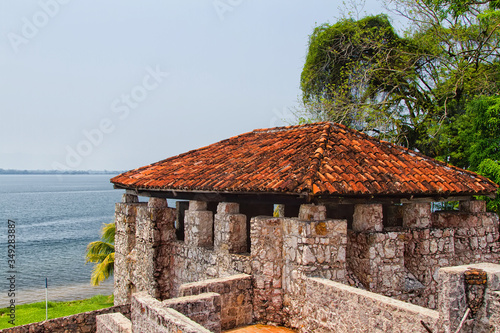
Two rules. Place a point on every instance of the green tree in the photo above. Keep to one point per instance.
(408, 90)
(362, 74)
(102, 254)
(482, 135)
(491, 169)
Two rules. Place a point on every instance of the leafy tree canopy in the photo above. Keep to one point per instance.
(407, 89)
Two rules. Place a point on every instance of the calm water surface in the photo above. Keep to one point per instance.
(56, 217)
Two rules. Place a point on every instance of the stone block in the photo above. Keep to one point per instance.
(197, 205)
(129, 198)
(157, 203)
(312, 212)
(237, 240)
(417, 215)
(368, 217)
(113, 323)
(199, 228)
(228, 208)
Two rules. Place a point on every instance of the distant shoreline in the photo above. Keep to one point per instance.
(58, 172)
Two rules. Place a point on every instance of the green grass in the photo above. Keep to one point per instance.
(34, 312)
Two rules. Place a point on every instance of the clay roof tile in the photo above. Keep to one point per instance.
(322, 158)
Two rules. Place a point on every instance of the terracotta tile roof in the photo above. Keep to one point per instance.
(315, 159)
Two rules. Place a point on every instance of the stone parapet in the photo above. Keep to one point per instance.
(198, 225)
(81, 322)
(235, 298)
(377, 260)
(230, 231)
(328, 306)
(205, 309)
(312, 212)
(113, 323)
(149, 315)
(454, 300)
(368, 217)
(144, 234)
(417, 215)
(267, 269)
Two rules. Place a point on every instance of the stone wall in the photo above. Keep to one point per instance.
(235, 294)
(113, 323)
(456, 295)
(203, 308)
(377, 260)
(267, 269)
(149, 315)
(401, 262)
(404, 262)
(199, 313)
(223, 256)
(144, 232)
(148, 256)
(329, 306)
(455, 238)
(81, 322)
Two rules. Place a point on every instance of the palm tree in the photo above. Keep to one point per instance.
(102, 253)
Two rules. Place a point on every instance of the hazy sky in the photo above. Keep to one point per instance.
(120, 84)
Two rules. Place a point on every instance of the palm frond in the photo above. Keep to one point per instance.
(103, 270)
(108, 232)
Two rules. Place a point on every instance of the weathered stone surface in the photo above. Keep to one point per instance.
(453, 301)
(267, 269)
(129, 198)
(368, 217)
(149, 315)
(204, 309)
(235, 298)
(230, 231)
(417, 215)
(401, 262)
(473, 206)
(377, 259)
(113, 323)
(81, 322)
(312, 213)
(328, 306)
(198, 227)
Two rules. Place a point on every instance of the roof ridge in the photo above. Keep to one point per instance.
(289, 127)
(314, 166)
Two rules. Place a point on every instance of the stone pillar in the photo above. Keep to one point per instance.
(125, 241)
(312, 213)
(144, 234)
(377, 260)
(454, 299)
(417, 215)
(130, 198)
(313, 247)
(267, 269)
(230, 232)
(368, 217)
(199, 223)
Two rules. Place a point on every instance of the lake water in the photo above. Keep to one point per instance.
(55, 216)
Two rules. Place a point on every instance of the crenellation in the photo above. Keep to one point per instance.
(368, 217)
(401, 262)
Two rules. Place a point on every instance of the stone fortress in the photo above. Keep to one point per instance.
(315, 227)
